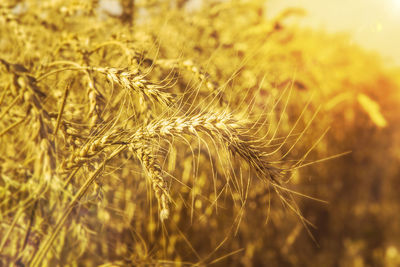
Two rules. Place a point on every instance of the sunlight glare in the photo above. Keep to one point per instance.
(396, 4)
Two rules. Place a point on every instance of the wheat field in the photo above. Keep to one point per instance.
(153, 133)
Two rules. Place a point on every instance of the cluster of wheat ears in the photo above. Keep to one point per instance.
(108, 131)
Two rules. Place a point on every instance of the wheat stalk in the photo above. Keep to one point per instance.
(154, 172)
(217, 125)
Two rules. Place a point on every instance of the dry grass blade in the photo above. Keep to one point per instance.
(44, 248)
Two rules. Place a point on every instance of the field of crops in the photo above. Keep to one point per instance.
(153, 133)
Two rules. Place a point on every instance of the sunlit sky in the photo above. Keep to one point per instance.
(374, 24)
